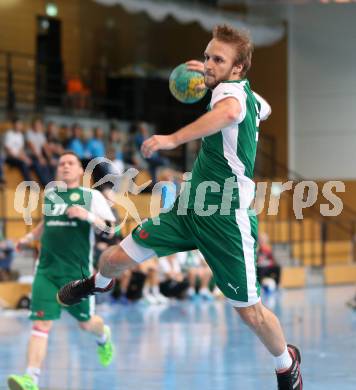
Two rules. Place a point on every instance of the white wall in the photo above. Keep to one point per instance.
(322, 88)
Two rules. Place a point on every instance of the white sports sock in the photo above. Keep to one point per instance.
(101, 340)
(101, 281)
(155, 290)
(34, 373)
(190, 291)
(204, 291)
(146, 290)
(283, 361)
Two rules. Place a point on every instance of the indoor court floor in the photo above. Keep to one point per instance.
(193, 346)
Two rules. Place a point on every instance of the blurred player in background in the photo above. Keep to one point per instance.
(226, 237)
(66, 234)
(199, 275)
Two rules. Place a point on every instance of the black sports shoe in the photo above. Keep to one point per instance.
(292, 378)
(74, 292)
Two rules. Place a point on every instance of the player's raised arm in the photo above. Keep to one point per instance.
(224, 113)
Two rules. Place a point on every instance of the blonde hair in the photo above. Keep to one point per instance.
(241, 40)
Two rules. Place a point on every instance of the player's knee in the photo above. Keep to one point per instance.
(114, 261)
(252, 316)
(85, 325)
(93, 323)
(112, 256)
(42, 326)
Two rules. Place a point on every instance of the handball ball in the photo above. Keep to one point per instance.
(183, 83)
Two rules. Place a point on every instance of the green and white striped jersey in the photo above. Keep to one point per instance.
(67, 244)
(223, 171)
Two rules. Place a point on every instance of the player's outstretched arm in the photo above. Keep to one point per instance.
(223, 114)
(35, 234)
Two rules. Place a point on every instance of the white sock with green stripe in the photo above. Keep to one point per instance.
(34, 373)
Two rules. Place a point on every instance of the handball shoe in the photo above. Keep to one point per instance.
(291, 379)
(106, 350)
(78, 290)
(21, 382)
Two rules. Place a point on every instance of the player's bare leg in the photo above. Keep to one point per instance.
(268, 329)
(265, 325)
(37, 347)
(113, 261)
(36, 353)
(102, 332)
(95, 325)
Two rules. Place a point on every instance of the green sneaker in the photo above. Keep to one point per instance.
(106, 351)
(21, 382)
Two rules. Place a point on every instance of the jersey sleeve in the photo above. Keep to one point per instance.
(266, 109)
(226, 90)
(100, 207)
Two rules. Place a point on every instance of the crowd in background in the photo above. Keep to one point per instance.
(34, 149)
(7, 253)
(37, 147)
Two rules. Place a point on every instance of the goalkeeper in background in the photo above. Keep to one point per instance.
(66, 234)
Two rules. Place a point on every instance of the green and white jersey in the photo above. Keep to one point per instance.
(67, 244)
(223, 171)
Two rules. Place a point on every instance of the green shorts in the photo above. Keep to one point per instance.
(228, 244)
(44, 305)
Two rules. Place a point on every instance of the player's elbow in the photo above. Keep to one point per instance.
(231, 114)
